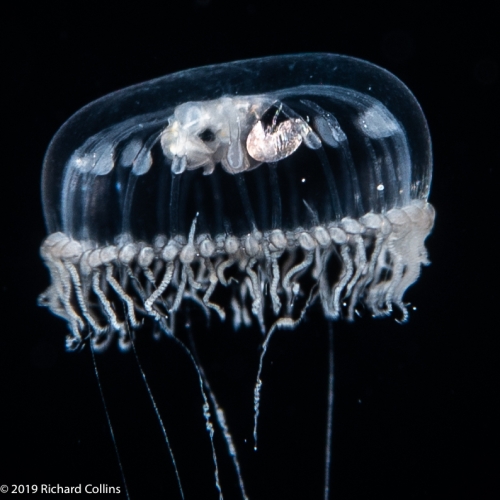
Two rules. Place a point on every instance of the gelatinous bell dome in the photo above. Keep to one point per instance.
(113, 167)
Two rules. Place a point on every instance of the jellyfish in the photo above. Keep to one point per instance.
(253, 194)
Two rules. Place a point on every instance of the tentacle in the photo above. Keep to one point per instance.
(256, 293)
(83, 301)
(105, 304)
(222, 267)
(281, 323)
(213, 283)
(123, 295)
(63, 294)
(180, 290)
(297, 269)
(167, 278)
(274, 284)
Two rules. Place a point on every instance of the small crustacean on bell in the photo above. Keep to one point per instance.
(276, 141)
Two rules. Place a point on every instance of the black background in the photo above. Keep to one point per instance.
(415, 405)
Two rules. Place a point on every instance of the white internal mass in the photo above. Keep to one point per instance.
(202, 134)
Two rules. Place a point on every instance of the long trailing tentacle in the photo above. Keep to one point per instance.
(282, 323)
(108, 420)
(158, 416)
(329, 416)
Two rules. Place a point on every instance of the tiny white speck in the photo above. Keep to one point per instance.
(303, 180)
(380, 187)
